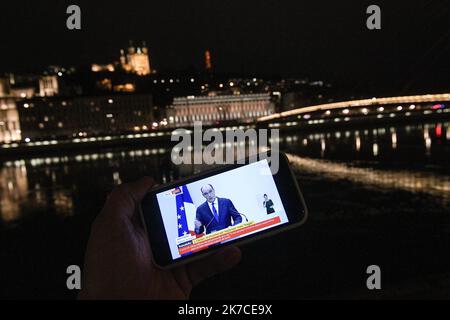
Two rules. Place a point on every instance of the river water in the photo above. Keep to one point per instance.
(376, 196)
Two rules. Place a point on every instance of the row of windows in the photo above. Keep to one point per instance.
(108, 118)
(218, 103)
(93, 114)
(9, 126)
(100, 102)
(226, 109)
(9, 136)
(101, 125)
(220, 116)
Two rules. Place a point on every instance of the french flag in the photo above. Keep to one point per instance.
(186, 212)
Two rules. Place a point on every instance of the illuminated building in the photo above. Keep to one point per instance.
(213, 109)
(208, 63)
(136, 60)
(25, 92)
(48, 86)
(126, 87)
(133, 60)
(9, 121)
(62, 117)
(4, 87)
(102, 67)
(107, 85)
(29, 86)
(104, 84)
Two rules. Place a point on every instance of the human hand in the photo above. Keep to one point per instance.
(118, 261)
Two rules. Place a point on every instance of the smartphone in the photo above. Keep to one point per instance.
(229, 205)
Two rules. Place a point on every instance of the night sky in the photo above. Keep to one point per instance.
(325, 40)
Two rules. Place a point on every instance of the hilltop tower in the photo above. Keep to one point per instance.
(208, 63)
(136, 60)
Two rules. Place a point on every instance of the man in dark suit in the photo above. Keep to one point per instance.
(215, 213)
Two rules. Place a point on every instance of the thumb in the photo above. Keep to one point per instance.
(139, 188)
(214, 264)
(124, 199)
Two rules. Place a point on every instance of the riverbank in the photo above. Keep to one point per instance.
(163, 137)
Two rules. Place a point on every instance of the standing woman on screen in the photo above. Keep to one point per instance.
(268, 204)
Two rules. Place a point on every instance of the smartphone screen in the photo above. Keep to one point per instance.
(204, 213)
(220, 208)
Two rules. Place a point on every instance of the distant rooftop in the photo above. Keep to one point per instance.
(220, 98)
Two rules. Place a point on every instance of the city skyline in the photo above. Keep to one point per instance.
(353, 95)
(278, 38)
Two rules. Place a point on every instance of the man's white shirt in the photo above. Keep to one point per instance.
(216, 205)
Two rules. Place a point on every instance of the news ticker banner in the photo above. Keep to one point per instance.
(224, 235)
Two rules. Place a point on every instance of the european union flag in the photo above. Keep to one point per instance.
(182, 198)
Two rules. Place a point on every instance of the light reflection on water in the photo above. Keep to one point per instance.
(421, 145)
(50, 184)
(16, 195)
(416, 182)
(56, 184)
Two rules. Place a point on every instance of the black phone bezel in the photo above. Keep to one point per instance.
(286, 184)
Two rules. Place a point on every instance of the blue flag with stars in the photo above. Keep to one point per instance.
(182, 198)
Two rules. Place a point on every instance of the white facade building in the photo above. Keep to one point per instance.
(216, 109)
(9, 121)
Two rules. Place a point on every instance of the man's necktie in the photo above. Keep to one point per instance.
(215, 212)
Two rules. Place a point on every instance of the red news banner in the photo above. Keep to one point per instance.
(203, 243)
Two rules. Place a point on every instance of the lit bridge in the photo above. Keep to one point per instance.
(417, 106)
